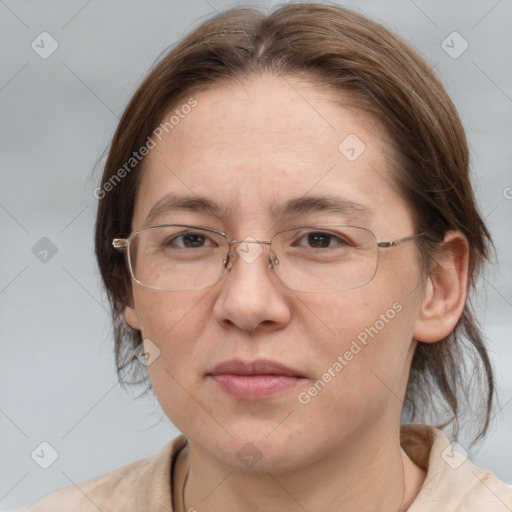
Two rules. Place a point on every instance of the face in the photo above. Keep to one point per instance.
(249, 147)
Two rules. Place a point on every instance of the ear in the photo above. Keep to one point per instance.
(130, 316)
(445, 293)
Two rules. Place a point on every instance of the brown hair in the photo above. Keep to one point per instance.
(349, 53)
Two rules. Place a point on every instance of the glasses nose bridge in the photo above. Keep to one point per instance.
(230, 257)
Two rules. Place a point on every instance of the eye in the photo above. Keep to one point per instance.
(323, 239)
(190, 240)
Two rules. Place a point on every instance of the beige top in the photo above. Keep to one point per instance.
(453, 483)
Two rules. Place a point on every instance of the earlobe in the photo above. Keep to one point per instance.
(130, 316)
(445, 293)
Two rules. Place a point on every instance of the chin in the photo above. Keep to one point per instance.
(254, 450)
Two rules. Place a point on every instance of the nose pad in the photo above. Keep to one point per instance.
(274, 260)
(228, 261)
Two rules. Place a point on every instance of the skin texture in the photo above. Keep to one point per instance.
(247, 146)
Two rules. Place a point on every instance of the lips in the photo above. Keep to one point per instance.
(254, 380)
(259, 367)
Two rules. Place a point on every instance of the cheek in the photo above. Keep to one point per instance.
(173, 323)
(166, 317)
(363, 350)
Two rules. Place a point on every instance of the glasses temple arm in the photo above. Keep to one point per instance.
(394, 243)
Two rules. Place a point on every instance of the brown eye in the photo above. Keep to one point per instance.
(322, 240)
(188, 240)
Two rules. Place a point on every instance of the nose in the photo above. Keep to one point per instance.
(251, 295)
(248, 252)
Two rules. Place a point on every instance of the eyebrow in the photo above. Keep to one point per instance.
(296, 206)
(171, 202)
(324, 203)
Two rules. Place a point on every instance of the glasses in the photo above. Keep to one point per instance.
(317, 258)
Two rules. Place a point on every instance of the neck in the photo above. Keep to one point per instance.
(338, 481)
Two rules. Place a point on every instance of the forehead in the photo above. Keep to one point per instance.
(251, 147)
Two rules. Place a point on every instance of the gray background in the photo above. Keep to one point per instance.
(58, 114)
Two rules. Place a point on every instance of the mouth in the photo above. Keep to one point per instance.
(254, 380)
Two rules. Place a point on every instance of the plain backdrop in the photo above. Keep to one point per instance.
(57, 379)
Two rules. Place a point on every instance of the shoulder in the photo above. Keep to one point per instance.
(453, 482)
(133, 487)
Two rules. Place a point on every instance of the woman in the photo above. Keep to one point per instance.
(288, 237)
